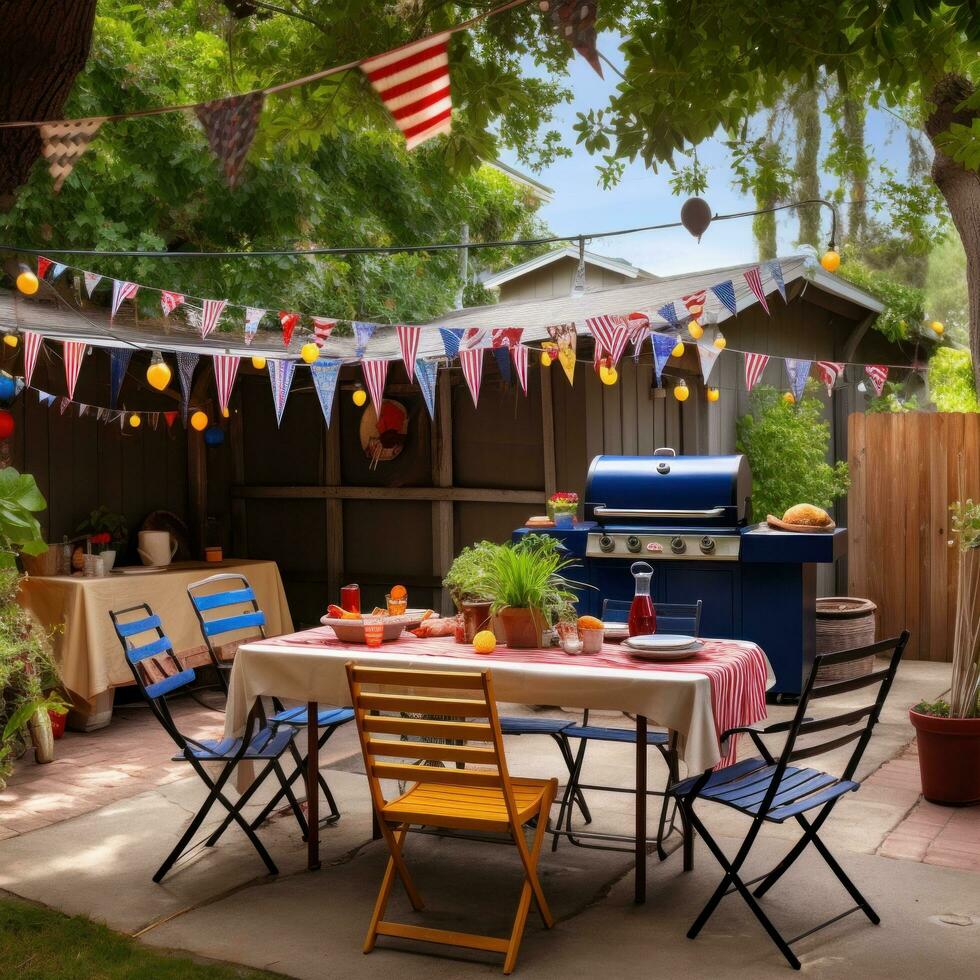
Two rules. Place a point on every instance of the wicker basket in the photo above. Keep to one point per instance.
(845, 623)
(47, 563)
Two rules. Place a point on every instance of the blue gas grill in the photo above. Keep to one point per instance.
(689, 517)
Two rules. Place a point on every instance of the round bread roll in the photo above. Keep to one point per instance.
(806, 515)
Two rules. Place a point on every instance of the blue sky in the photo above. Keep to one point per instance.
(643, 198)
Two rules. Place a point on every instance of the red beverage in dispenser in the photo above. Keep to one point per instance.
(643, 617)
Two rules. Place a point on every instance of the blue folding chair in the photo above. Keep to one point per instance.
(235, 609)
(158, 673)
(671, 618)
(772, 790)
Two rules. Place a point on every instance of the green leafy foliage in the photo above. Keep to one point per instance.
(104, 521)
(951, 383)
(20, 499)
(787, 446)
(904, 305)
(468, 577)
(893, 400)
(946, 298)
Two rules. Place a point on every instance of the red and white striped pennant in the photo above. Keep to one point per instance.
(520, 355)
(74, 351)
(322, 328)
(695, 302)
(211, 314)
(612, 334)
(121, 291)
(754, 278)
(471, 361)
(408, 342)
(878, 375)
(755, 364)
(225, 369)
(413, 82)
(829, 372)
(288, 322)
(32, 344)
(170, 301)
(375, 372)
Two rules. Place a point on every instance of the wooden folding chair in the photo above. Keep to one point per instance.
(485, 800)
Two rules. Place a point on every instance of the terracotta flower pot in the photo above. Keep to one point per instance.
(949, 758)
(476, 617)
(522, 627)
(58, 720)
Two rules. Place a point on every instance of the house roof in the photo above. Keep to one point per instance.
(621, 266)
(58, 320)
(541, 191)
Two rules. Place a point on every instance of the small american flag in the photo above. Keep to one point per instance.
(74, 351)
(413, 82)
(695, 302)
(121, 291)
(829, 372)
(754, 278)
(375, 372)
(170, 301)
(755, 364)
(408, 342)
(878, 374)
(32, 344)
(211, 314)
(225, 369)
(471, 360)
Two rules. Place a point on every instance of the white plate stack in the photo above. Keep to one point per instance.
(663, 646)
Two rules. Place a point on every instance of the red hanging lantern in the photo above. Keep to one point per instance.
(6, 424)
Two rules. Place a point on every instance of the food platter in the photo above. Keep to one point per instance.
(352, 630)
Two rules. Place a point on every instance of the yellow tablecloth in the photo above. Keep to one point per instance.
(87, 650)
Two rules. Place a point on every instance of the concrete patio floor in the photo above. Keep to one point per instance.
(221, 905)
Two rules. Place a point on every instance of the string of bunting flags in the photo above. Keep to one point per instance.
(612, 335)
(412, 81)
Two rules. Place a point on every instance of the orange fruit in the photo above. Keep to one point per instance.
(335, 612)
(484, 642)
(398, 592)
(589, 623)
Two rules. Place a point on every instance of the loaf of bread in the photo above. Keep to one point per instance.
(806, 515)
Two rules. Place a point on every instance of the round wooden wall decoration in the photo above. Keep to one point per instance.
(383, 439)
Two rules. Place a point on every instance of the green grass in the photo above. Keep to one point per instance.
(38, 944)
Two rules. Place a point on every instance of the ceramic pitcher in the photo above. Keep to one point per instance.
(157, 547)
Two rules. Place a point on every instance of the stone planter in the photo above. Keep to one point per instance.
(949, 758)
(42, 737)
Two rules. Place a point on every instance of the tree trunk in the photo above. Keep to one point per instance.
(853, 111)
(806, 109)
(961, 189)
(45, 44)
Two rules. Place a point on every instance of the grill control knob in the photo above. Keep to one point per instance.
(707, 545)
(606, 543)
(633, 543)
(678, 546)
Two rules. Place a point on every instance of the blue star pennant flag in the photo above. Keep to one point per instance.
(669, 313)
(797, 371)
(662, 346)
(425, 375)
(363, 332)
(775, 269)
(325, 374)
(119, 358)
(725, 291)
(281, 376)
(451, 337)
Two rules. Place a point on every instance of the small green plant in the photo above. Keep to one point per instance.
(786, 446)
(529, 575)
(103, 521)
(468, 578)
(20, 500)
(891, 401)
(951, 384)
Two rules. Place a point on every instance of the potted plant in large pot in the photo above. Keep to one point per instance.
(528, 588)
(948, 732)
(468, 584)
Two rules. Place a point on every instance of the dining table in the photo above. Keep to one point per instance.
(722, 686)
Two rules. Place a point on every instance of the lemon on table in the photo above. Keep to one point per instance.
(484, 642)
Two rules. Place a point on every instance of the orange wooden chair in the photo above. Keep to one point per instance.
(486, 799)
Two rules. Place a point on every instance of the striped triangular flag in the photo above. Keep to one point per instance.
(169, 301)
(775, 269)
(211, 314)
(122, 291)
(878, 375)
(32, 344)
(755, 364)
(451, 337)
(281, 375)
(797, 371)
(375, 372)
(322, 328)
(74, 351)
(519, 353)
(426, 374)
(829, 372)
(725, 291)
(225, 369)
(471, 360)
(754, 278)
(408, 342)
(288, 323)
(413, 82)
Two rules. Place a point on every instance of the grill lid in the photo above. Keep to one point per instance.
(665, 490)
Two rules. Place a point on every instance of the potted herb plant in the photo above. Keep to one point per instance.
(948, 732)
(108, 531)
(468, 584)
(528, 588)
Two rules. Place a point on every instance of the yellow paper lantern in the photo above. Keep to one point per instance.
(720, 342)
(830, 260)
(10, 339)
(608, 375)
(678, 350)
(681, 391)
(258, 362)
(695, 330)
(27, 282)
(135, 421)
(712, 394)
(546, 359)
(359, 397)
(937, 327)
(158, 374)
(199, 421)
(309, 353)
(789, 398)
